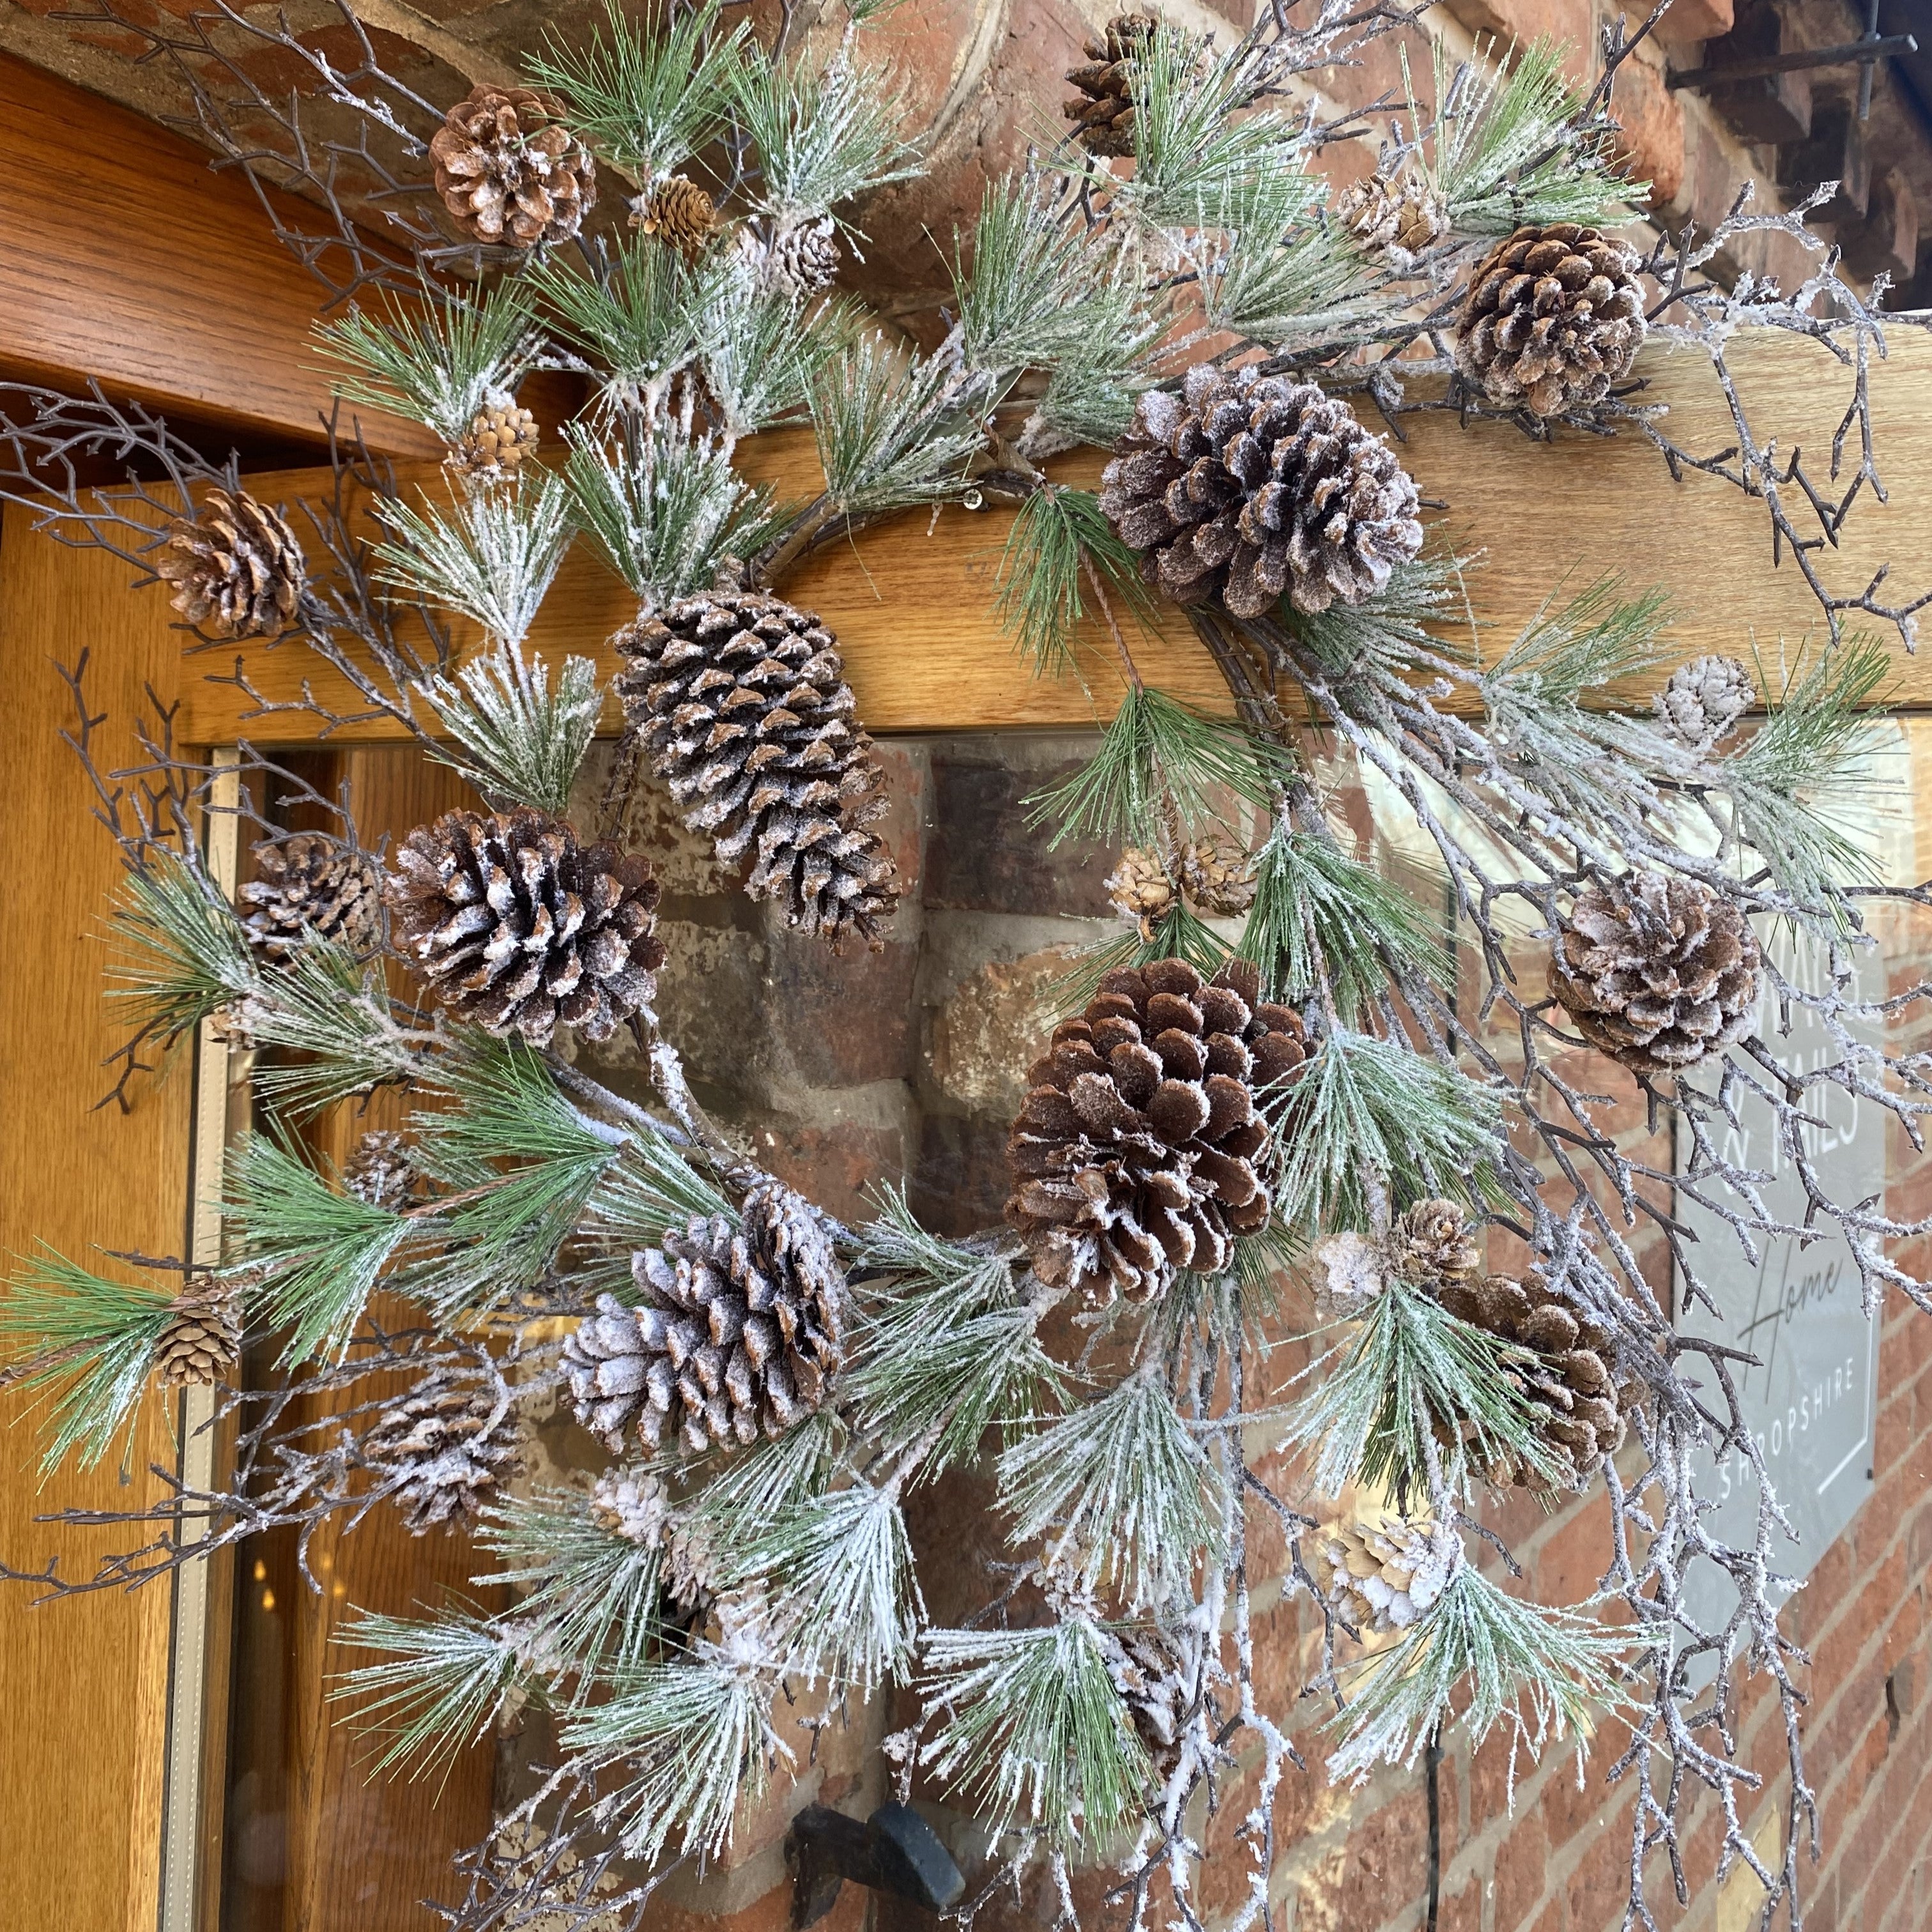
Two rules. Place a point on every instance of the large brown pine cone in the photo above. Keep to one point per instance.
(1380, 1574)
(446, 1446)
(517, 927)
(1102, 112)
(741, 702)
(508, 170)
(1568, 1375)
(236, 568)
(1145, 1144)
(1552, 318)
(203, 1336)
(739, 1331)
(1248, 485)
(1656, 970)
(306, 883)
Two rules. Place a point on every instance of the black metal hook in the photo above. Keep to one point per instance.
(894, 1850)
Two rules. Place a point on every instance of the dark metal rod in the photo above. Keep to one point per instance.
(1864, 52)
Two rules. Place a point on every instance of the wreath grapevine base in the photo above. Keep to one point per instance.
(1264, 1097)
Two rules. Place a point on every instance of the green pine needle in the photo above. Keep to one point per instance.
(1180, 933)
(1157, 758)
(753, 1490)
(892, 431)
(1042, 587)
(1392, 630)
(183, 953)
(1121, 1489)
(1411, 1366)
(1029, 1728)
(516, 741)
(331, 1009)
(822, 134)
(647, 318)
(437, 1694)
(690, 1741)
(1366, 1106)
(90, 1338)
(1542, 1673)
(1321, 917)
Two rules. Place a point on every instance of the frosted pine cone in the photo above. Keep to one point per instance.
(1429, 1245)
(1247, 486)
(308, 883)
(1138, 888)
(1380, 1573)
(1102, 112)
(500, 436)
(1404, 212)
(679, 213)
(740, 1331)
(633, 1503)
(519, 928)
(237, 569)
(1568, 1376)
(1703, 700)
(1656, 970)
(508, 172)
(1150, 1670)
(203, 1336)
(1219, 876)
(446, 1447)
(1348, 1273)
(1145, 1144)
(1552, 318)
(741, 702)
(382, 1171)
(798, 258)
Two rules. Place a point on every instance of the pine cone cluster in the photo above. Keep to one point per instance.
(508, 170)
(203, 1336)
(740, 1332)
(678, 212)
(382, 1171)
(741, 702)
(305, 884)
(518, 927)
(798, 258)
(500, 435)
(1248, 486)
(1656, 970)
(237, 569)
(1701, 701)
(1102, 112)
(445, 1446)
(1380, 1573)
(1553, 317)
(1402, 211)
(1145, 1143)
(1581, 1408)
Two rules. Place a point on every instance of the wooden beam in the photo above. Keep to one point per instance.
(125, 257)
(911, 600)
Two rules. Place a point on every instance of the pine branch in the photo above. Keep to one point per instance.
(517, 742)
(1120, 1491)
(1058, 544)
(90, 1338)
(184, 954)
(438, 1694)
(645, 318)
(765, 351)
(1285, 292)
(1180, 933)
(822, 134)
(892, 431)
(1391, 632)
(333, 1010)
(1029, 1727)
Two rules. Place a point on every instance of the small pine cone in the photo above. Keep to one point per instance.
(203, 1336)
(508, 172)
(1429, 1245)
(1349, 1274)
(1149, 1670)
(633, 1503)
(310, 884)
(1145, 1144)
(741, 702)
(1219, 876)
(1139, 888)
(1379, 1574)
(500, 436)
(445, 1446)
(1570, 1379)
(1552, 318)
(1400, 212)
(518, 927)
(1247, 486)
(740, 1330)
(1702, 701)
(679, 213)
(1103, 111)
(237, 569)
(382, 1171)
(1656, 970)
(799, 259)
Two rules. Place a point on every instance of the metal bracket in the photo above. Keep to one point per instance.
(894, 1850)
